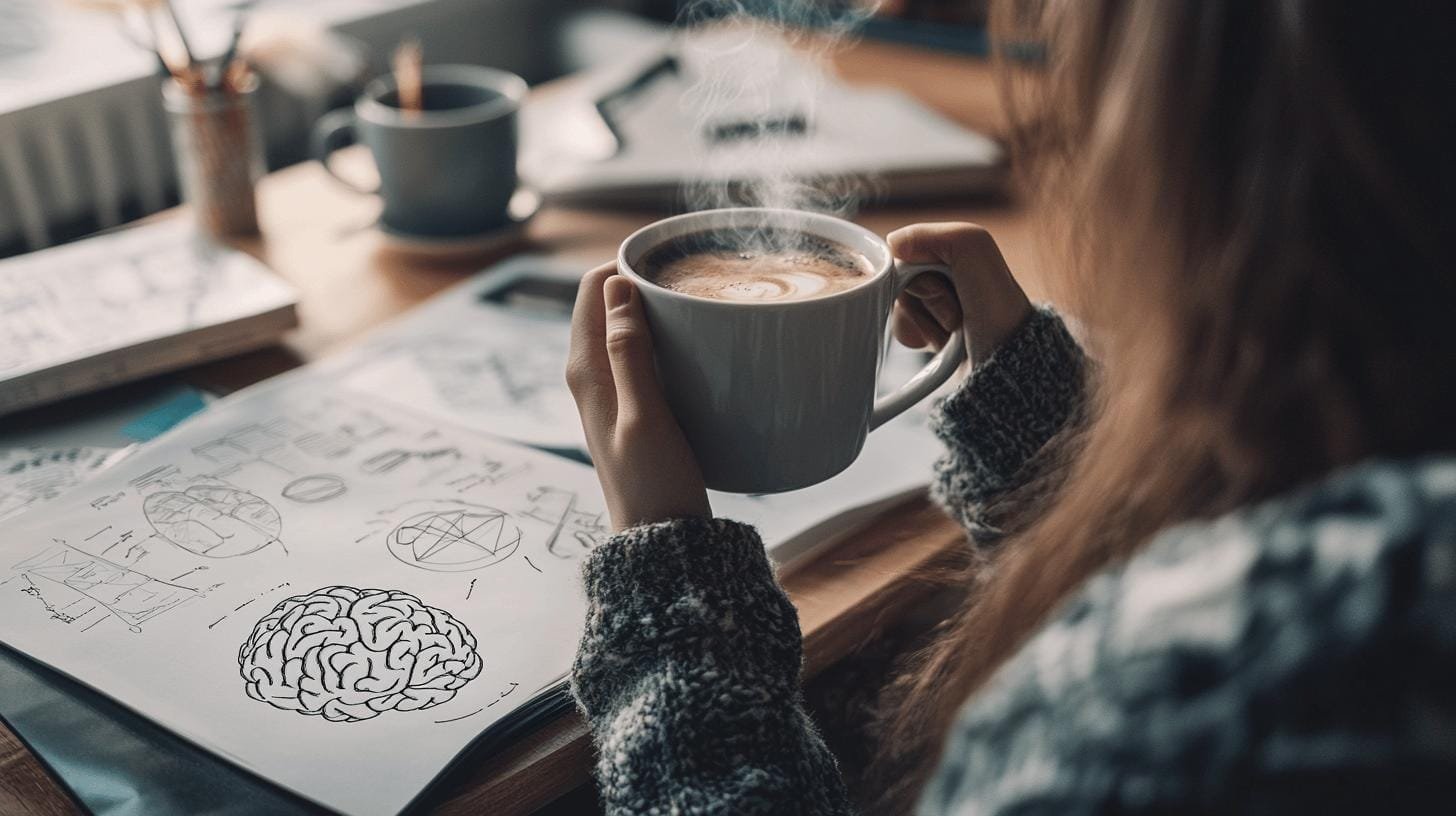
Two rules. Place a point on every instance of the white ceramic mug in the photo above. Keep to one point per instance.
(779, 395)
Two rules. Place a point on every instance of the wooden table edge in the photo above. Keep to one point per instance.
(892, 555)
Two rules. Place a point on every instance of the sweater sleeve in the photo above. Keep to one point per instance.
(996, 422)
(1295, 657)
(688, 674)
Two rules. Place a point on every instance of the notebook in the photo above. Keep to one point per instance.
(343, 589)
(489, 354)
(127, 305)
(334, 593)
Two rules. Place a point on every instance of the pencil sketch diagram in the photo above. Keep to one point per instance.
(157, 476)
(575, 531)
(454, 539)
(250, 443)
(91, 295)
(485, 471)
(258, 451)
(395, 458)
(344, 434)
(349, 655)
(424, 464)
(132, 597)
(473, 377)
(213, 520)
(314, 489)
(34, 476)
(491, 373)
(292, 445)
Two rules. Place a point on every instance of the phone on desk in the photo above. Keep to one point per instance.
(531, 293)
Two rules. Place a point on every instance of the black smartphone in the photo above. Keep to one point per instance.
(553, 296)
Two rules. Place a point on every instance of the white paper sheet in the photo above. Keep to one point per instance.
(121, 289)
(500, 371)
(165, 583)
(496, 369)
(724, 79)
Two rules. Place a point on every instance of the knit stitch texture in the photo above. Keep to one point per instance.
(1297, 656)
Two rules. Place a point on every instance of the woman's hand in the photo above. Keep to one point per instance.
(981, 296)
(647, 471)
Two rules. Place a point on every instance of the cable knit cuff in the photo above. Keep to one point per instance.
(662, 559)
(683, 590)
(1012, 404)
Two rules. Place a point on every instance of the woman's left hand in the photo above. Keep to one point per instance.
(648, 472)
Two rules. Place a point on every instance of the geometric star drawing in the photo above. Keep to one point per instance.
(455, 540)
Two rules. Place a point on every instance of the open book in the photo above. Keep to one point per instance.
(473, 357)
(331, 592)
(342, 588)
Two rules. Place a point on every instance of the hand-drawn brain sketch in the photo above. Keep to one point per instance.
(349, 654)
(213, 520)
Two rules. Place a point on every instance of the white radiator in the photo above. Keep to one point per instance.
(83, 139)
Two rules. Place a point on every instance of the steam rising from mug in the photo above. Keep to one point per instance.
(757, 104)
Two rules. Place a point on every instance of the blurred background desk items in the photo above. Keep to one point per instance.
(321, 240)
(128, 305)
(722, 116)
(83, 135)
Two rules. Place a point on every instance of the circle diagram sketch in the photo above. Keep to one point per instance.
(349, 654)
(455, 540)
(213, 521)
(314, 489)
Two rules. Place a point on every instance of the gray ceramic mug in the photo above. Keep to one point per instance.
(448, 171)
(776, 396)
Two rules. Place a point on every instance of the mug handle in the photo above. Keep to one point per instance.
(940, 368)
(326, 134)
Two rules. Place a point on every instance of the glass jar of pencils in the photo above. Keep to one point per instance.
(218, 151)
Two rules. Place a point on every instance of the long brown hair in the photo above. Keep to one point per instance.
(1254, 202)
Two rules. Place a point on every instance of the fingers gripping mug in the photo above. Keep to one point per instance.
(776, 395)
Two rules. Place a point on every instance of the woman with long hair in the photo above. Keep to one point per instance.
(1215, 552)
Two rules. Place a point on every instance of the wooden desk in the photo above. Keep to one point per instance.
(321, 239)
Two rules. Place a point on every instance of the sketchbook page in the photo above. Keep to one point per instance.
(331, 592)
(495, 369)
(122, 289)
(498, 370)
(501, 370)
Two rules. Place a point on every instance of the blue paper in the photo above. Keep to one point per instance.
(165, 417)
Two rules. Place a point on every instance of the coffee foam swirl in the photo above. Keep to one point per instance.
(702, 266)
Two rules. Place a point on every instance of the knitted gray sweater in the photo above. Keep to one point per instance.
(1292, 657)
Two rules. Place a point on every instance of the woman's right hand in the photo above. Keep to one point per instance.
(981, 295)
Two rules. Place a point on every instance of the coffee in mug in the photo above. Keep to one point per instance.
(770, 265)
(768, 326)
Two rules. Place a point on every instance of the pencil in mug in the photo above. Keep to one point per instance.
(408, 64)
